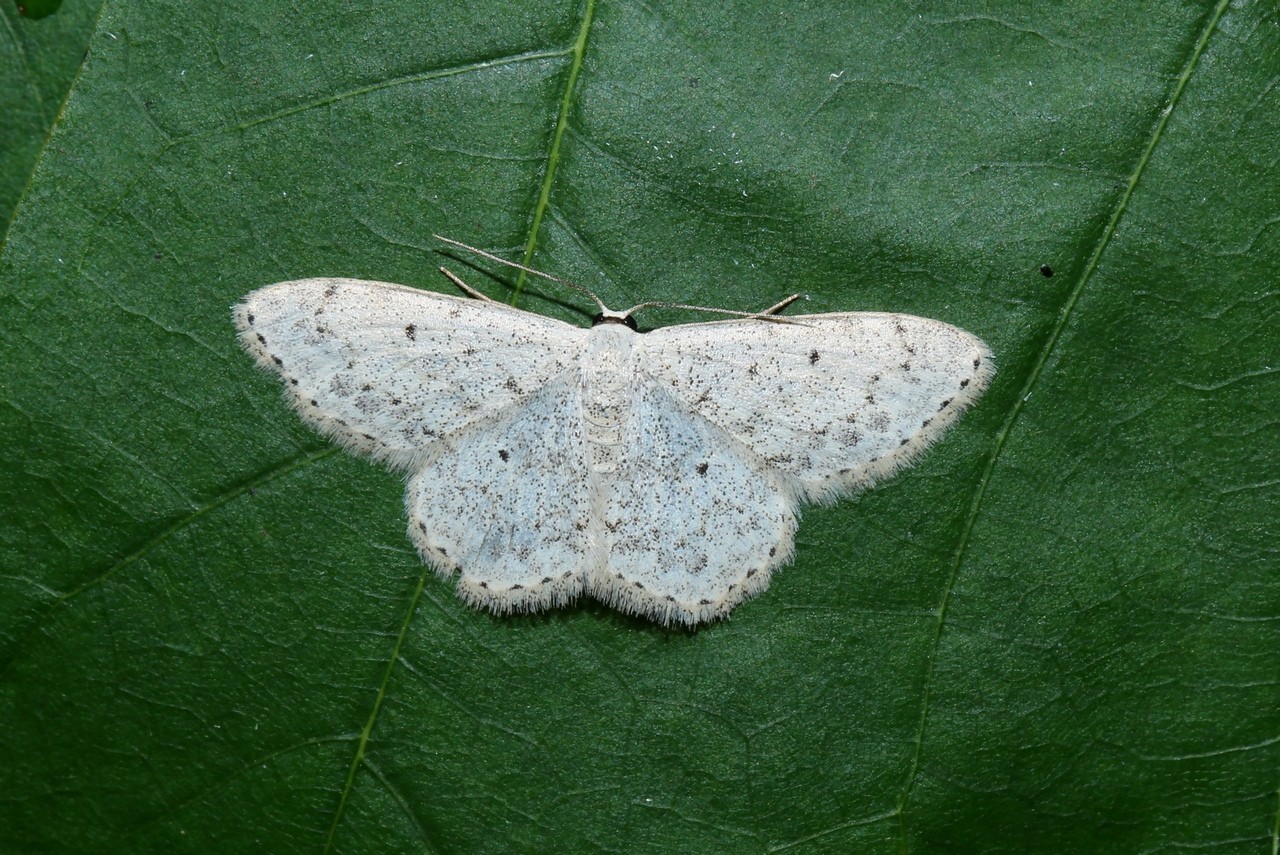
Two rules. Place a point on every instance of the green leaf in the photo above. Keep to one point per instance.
(38, 61)
(1057, 633)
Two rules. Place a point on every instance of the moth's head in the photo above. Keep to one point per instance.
(608, 316)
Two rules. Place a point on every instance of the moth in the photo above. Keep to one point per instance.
(661, 472)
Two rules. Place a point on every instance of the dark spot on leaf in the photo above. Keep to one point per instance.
(1046, 271)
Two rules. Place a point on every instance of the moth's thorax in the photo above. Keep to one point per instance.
(608, 382)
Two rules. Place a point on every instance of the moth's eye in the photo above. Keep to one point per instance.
(628, 321)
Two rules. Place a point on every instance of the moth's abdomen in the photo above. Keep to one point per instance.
(608, 385)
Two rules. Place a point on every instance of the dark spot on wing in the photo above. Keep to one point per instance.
(411, 332)
(702, 468)
(813, 357)
(502, 452)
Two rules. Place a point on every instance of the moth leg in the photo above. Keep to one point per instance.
(464, 287)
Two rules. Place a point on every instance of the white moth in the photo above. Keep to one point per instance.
(661, 473)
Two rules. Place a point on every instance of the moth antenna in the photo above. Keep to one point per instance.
(480, 252)
(769, 314)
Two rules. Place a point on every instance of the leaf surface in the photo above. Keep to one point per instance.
(1058, 632)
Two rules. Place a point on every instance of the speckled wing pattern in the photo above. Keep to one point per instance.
(832, 402)
(661, 473)
(388, 371)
